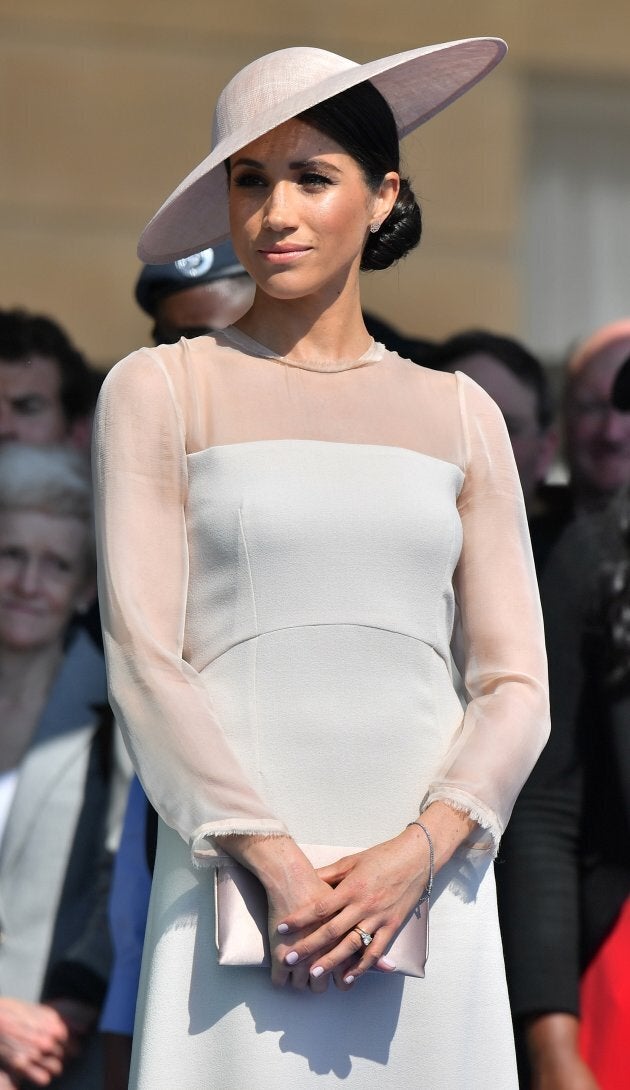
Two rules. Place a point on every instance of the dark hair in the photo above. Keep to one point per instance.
(411, 348)
(362, 123)
(511, 353)
(23, 335)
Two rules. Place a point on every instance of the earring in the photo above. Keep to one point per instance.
(374, 227)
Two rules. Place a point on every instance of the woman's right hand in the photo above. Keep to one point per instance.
(291, 883)
(555, 1060)
(306, 889)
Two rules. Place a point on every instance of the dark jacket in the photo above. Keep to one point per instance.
(565, 864)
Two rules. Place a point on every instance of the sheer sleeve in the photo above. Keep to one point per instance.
(500, 636)
(186, 765)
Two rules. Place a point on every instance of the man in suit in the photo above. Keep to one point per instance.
(47, 390)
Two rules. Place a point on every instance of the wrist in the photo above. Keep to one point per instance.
(448, 828)
(274, 860)
(551, 1035)
(426, 893)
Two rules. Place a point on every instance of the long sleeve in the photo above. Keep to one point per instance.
(501, 637)
(186, 765)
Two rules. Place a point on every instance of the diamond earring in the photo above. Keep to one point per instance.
(374, 227)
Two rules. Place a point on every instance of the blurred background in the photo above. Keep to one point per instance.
(106, 104)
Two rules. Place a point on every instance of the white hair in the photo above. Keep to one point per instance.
(53, 480)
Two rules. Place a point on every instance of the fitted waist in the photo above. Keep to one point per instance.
(200, 663)
(383, 703)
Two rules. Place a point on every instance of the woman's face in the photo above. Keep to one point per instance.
(42, 577)
(300, 210)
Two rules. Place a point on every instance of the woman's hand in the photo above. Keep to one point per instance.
(552, 1041)
(374, 890)
(290, 882)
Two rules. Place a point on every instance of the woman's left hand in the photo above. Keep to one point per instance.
(375, 891)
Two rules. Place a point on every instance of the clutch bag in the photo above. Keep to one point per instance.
(241, 917)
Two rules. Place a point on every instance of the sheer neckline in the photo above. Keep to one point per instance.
(373, 354)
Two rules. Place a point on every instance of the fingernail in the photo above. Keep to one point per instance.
(283, 928)
(292, 957)
(387, 962)
(317, 971)
(348, 979)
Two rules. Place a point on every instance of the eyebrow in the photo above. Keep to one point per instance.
(298, 164)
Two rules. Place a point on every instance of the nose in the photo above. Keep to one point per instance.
(279, 211)
(28, 577)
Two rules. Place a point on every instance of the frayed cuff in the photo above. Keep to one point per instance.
(488, 836)
(206, 854)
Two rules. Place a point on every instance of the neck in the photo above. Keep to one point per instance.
(328, 325)
(27, 676)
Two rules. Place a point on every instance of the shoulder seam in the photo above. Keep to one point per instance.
(463, 416)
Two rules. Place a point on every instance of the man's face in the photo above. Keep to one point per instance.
(202, 308)
(598, 435)
(533, 446)
(31, 410)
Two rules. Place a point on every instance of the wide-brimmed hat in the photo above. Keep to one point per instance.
(417, 84)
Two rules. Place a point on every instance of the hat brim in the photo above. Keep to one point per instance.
(417, 85)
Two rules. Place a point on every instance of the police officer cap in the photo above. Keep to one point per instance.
(157, 281)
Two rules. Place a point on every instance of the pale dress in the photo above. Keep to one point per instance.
(285, 553)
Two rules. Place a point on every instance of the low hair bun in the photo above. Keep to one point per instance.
(399, 233)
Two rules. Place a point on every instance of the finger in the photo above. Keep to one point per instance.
(311, 914)
(34, 1070)
(372, 956)
(318, 984)
(385, 964)
(52, 1064)
(299, 977)
(340, 972)
(335, 872)
(327, 937)
(348, 950)
(365, 958)
(279, 974)
(50, 1045)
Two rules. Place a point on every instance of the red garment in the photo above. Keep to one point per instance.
(605, 1002)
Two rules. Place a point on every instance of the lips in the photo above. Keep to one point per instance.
(278, 255)
(19, 607)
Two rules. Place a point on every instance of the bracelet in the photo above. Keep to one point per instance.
(429, 885)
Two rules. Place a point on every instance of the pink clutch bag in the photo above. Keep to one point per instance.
(241, 917)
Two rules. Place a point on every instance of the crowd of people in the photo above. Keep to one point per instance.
(79, 838)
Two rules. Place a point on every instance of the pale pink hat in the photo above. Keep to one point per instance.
(417, 84)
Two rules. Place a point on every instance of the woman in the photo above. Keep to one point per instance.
(566, 879)
(56, 781)
(282, 509)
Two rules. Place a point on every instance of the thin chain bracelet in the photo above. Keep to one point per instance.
(429, 885)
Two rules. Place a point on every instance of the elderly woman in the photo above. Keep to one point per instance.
(292, 520)
(56, 779)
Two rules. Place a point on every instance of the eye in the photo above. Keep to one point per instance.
(248, 179)
(58, 564)
(11, 552)
(315, 180)
(29, 406)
